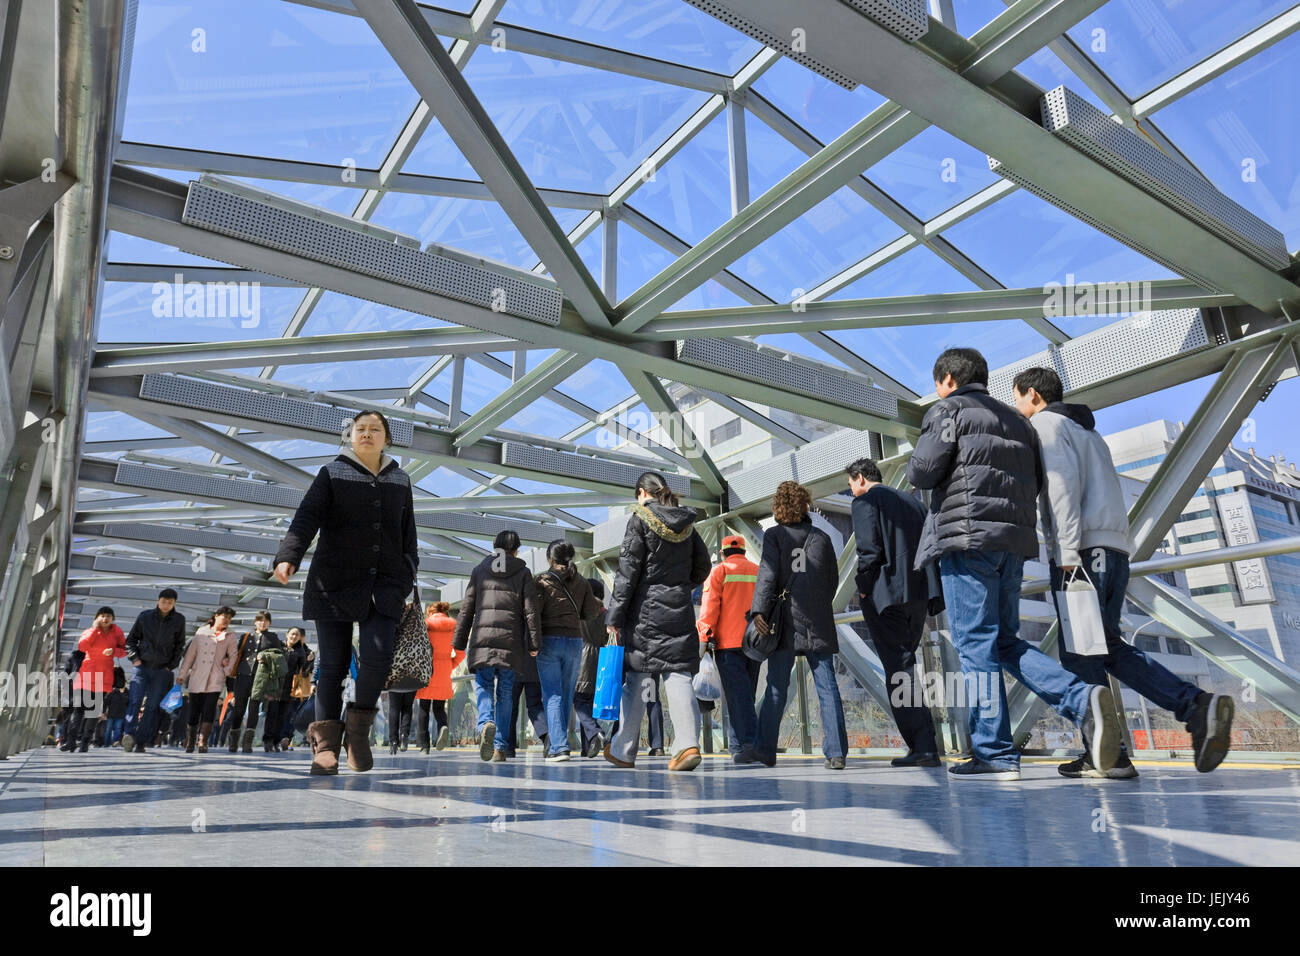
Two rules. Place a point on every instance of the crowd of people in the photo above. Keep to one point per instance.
(992, 471)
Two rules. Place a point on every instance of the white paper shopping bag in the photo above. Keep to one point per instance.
(1080, 612)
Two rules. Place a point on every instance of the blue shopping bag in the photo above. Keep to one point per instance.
(172, 702)
(609, 683)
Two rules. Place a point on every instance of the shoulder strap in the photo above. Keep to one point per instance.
(560, 581)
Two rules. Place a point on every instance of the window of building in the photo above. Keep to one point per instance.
(732, 468)
(1147, 643)
(1178, 646)
(1196, 515)
(1212, 589)
(724, 431)
(1193, 538)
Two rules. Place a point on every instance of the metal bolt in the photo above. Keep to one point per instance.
(6, 252)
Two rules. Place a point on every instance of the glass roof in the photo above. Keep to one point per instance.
(311, 83)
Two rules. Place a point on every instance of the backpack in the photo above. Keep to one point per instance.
(269, 680)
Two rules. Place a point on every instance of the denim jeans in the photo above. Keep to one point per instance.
(374, 658)
(1107, 569)
(557, 665)
(739, 684)
(835, 737)
(149, 685)
(113, 730)
(493, 692)
(982, 591)
(588, 728)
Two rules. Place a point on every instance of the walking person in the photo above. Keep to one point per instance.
(660, 563)
(798, 570)
(895, 598)
(208, 659)
(251, 645)
(584, 689)
(1086, 529)
(980, 460)
(500, 627)
(101, 643)
(299, 661)
(726, 598)
(154, 647)
(564, 602)
(115, 709)
(434, 696)
(361, 573)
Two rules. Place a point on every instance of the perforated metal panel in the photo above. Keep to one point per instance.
(784, 46)
(909, 19)
(814, 461)
(232, 214)
(1007, 173)
(832, 385)
(563, 464)
(484, 527)
(1133, 343)
(185, 484)
(209, 396)
(1119, 149)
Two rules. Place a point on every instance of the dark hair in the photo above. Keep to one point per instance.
(655, 485)
(262, 616)
(383, 420)
(863, 468)
(228, 611)
(559, 552)
(212, 619)
(791, 502)
(106, 610)
(1043, 381)
(167, 593)
(506, 541)
(597, 588)
(440, 607)
(964, 365)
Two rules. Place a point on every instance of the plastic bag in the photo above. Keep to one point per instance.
(172, 702)
(707, 683)
(609, 683)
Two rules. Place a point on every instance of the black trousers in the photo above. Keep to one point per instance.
(439, 710)
(243, 702)
(896, 633)
(81, 726)
(532, 694)
(401, 704)
(203, 707)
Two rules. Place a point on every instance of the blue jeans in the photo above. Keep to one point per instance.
(149, 685)
(1107, 569)
(493, 692)
(835, 737)
(113, 730)
(557, 666)
(739, 684)
(982, 591)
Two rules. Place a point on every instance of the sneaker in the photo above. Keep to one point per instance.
(444, 738)
(688, 759)
(128, 743)
(1210, 725)
(1101, 729)
(914, 759)
(746, 758)
(594, 746)
(499, 756)
(655, 752)
(557, 758)
(615, 761)
(485, 738)
(1081, 766)
(834, 763)
(975, 769)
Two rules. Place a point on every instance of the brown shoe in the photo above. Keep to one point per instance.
(615, 761)
(359, 720)
(284, 743)
(499, 756)
(189, 740)
(202, 740)
(325, 736)
(688, 759)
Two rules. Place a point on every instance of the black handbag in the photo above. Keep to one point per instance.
(759, 647)
(412, 667)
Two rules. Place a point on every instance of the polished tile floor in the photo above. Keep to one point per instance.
(166, 808)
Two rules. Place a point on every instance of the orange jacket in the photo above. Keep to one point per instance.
(441, 628)
(728, 594)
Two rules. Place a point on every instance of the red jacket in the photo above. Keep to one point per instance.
(728, 594)
(441, 628)
(93, 643)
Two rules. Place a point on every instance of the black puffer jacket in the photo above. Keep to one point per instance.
(799, 559)
(155, 640)
(498, 618)
(367, 547)
(661, 561)
(562, 613)
(593, 638)
(981, 459)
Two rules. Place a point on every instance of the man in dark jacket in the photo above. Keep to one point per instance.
(981, 461)
(500, 625)
(895, 597)
(154, 647)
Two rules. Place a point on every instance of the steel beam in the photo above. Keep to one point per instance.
(509, 402)
(661, 404)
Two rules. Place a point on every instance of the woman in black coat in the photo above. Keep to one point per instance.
(799, 562)
(363, 571)
(299, 661)
(662, 560)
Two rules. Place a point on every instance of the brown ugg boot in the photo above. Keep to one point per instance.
(325, 737)
(358, 733)
(204, 730)
(189, 740)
